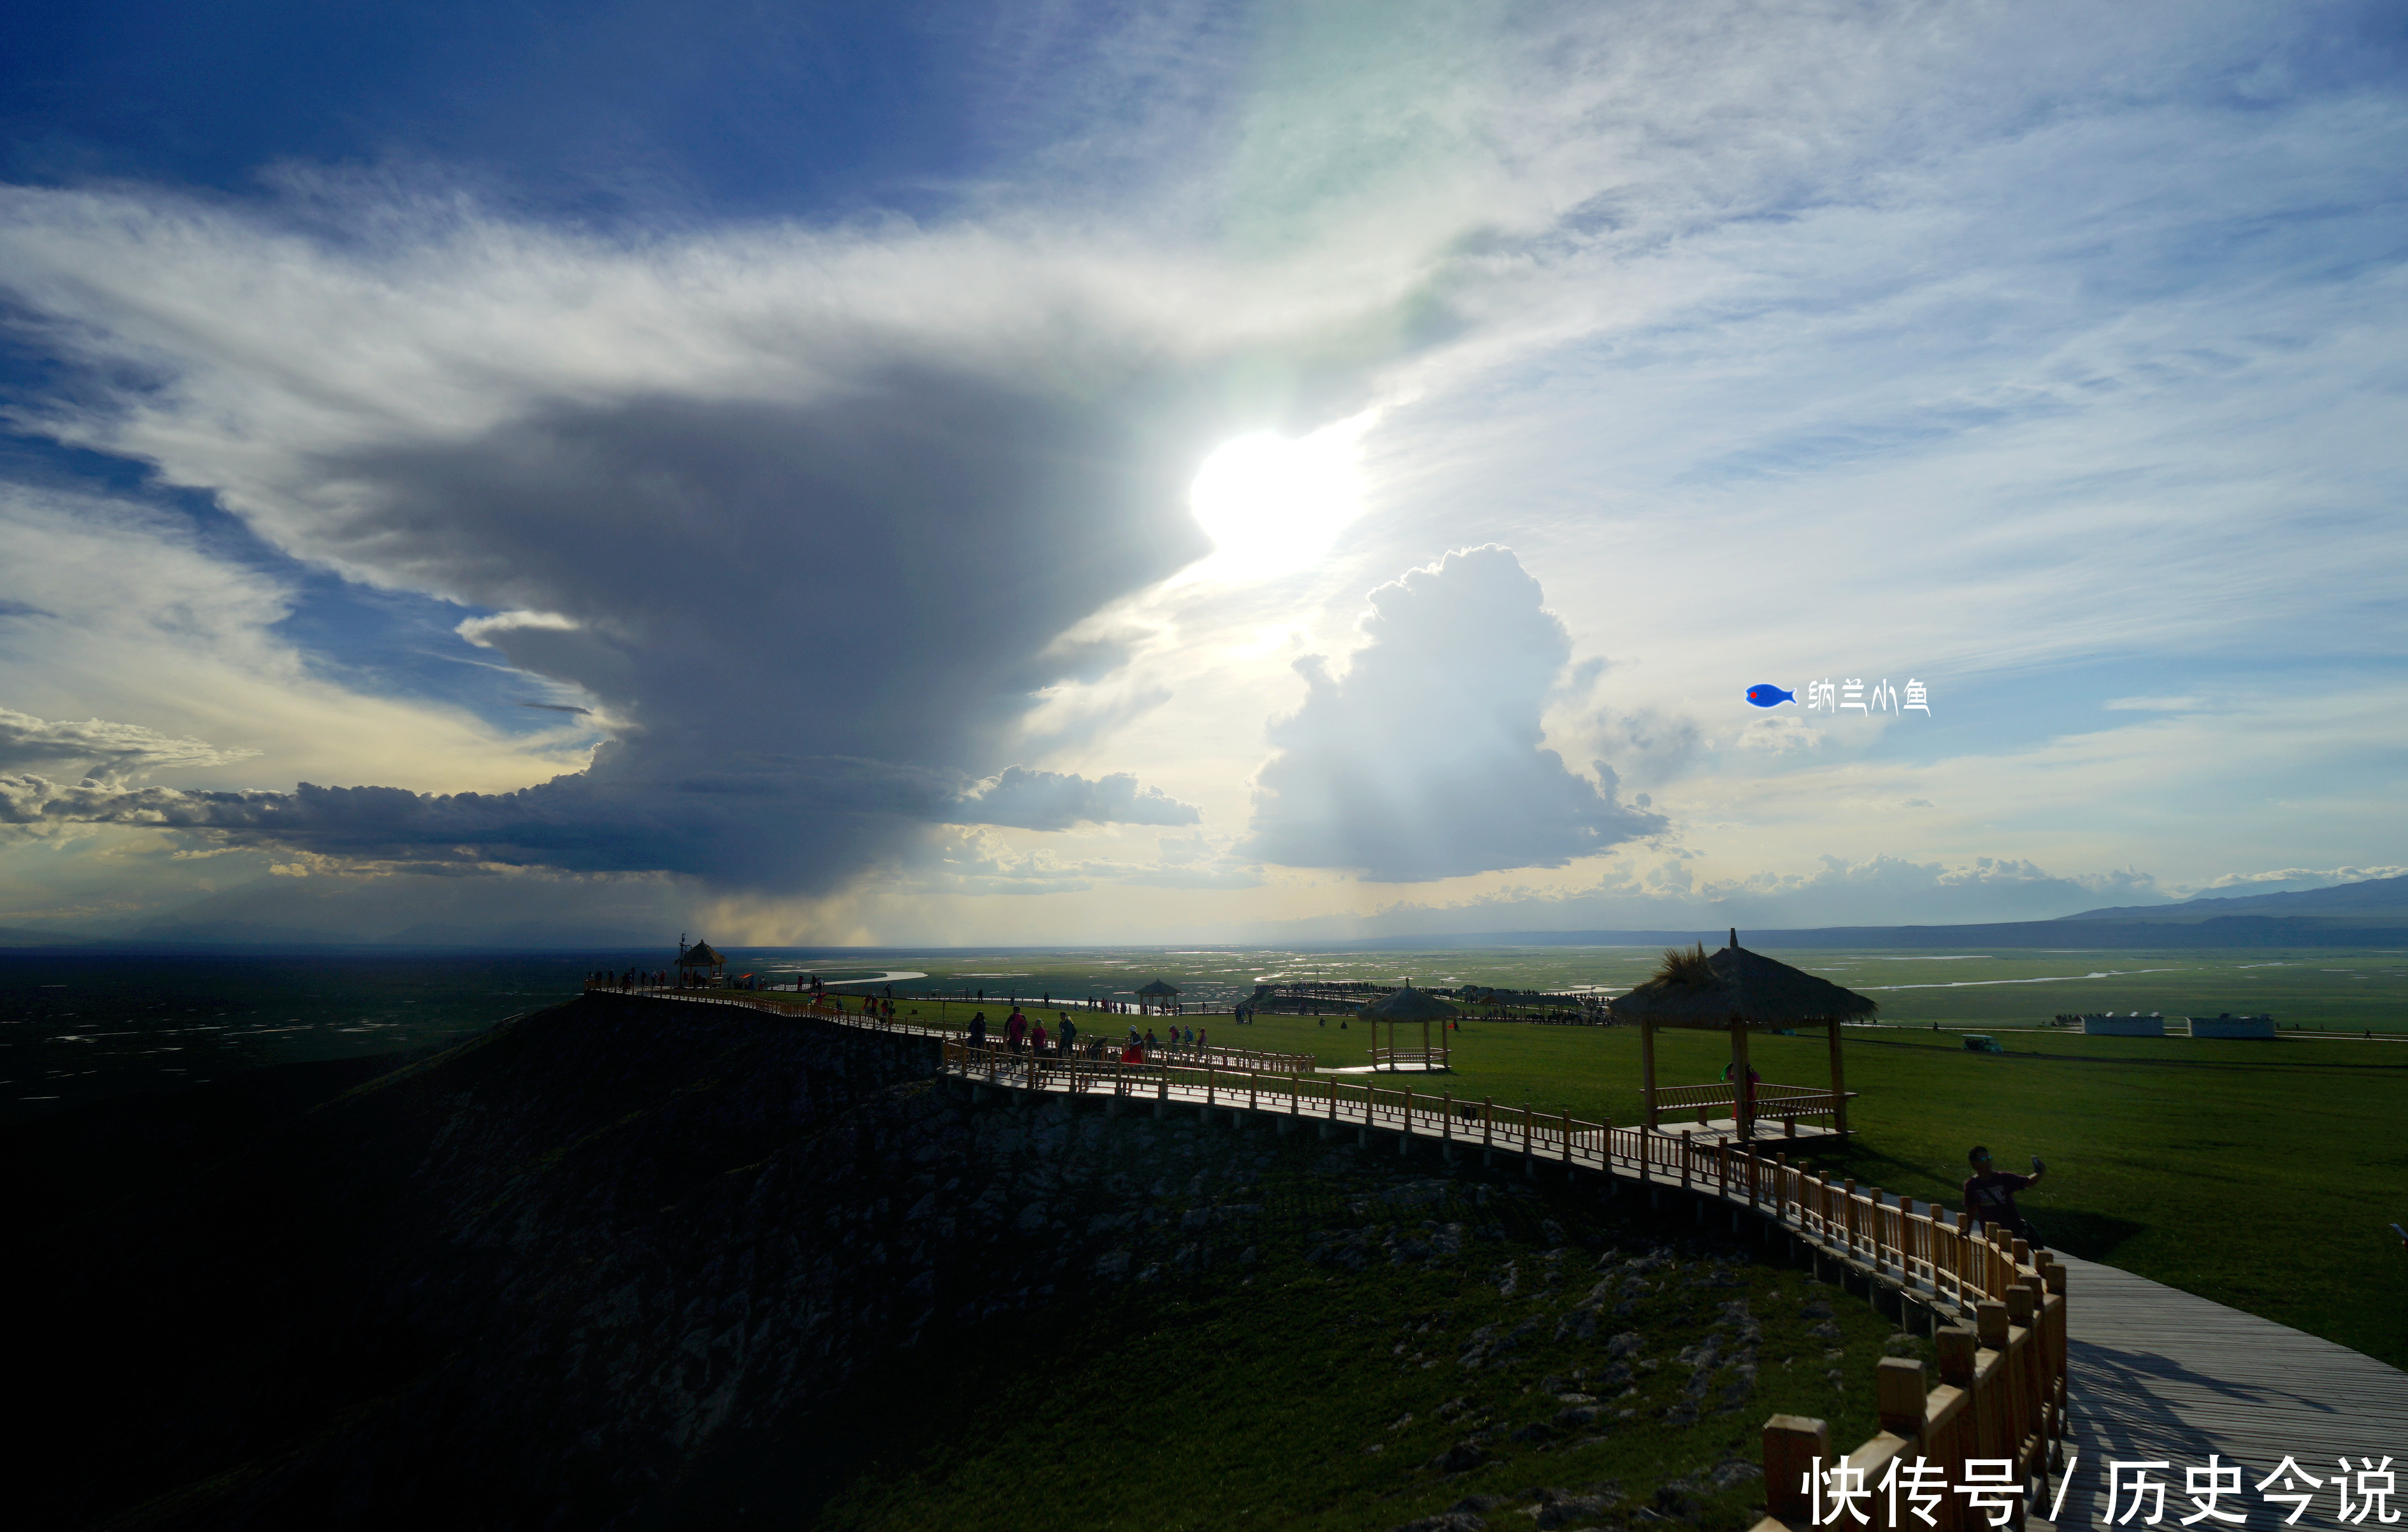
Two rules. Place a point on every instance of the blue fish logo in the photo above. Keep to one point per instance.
(1768, 696)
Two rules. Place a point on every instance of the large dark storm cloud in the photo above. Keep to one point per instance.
(818, 621)
(815, 623)
(807, 532)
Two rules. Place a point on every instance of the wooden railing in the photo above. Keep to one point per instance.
(2000, 1397)
(1927, 1250)
(1413, 1057)
(865, 1013)
(1785, 1104)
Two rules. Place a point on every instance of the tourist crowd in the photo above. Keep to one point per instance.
(1024, 1034)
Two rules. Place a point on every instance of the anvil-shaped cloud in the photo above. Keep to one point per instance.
(803, 515)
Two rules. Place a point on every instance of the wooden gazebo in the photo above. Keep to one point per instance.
(1158, 996)
(1739, 992)
(1408, 1005)
(701, 965)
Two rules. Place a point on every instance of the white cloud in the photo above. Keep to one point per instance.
(1424, 759)
(2288, 880)
(1989, 343)
(108, 753)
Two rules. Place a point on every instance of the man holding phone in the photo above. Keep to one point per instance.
(1990, 1195)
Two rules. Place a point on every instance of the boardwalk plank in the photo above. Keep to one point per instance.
(2158, 1373)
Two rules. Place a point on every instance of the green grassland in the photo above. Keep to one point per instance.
(2318, 989)
(2258, 1174)
(1325, 1388)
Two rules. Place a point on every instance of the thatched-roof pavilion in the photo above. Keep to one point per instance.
(1740, 992)
(1409, 1005)
(703, 957)
(1159, 995)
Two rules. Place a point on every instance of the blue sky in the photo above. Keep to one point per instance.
(773, 467)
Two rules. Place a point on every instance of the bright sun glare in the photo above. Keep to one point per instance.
(1272, 506)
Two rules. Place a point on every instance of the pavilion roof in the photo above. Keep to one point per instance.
(1407, 1005)
(1158, 987)
(700, 956)
(1699, 989)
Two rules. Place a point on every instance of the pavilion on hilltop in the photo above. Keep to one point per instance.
(1740, 992)
(700, 966)
(1408, 1005)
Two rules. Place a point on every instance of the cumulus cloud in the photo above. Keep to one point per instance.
(1424, 759)
(1646, 744)
(1053, 800)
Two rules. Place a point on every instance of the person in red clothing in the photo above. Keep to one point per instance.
(1990, 1195)
(1015, 1029)
(1038, 1039)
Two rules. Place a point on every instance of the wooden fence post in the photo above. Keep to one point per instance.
(1899, 1393)
(1793, 1447)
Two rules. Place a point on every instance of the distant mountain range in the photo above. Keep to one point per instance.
(17, 936)
(2219, 931)
(2372, 913)
(2376, 896)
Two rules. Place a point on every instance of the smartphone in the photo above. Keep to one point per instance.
(2035, 1162)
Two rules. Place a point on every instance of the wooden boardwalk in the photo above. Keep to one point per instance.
(2160, 1374)
(2152, 1373)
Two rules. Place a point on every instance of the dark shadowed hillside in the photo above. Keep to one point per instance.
(630, 1264)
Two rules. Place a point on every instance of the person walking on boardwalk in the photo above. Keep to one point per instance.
(1069, 1034)
(1037, 1040)
(1990, 1194)
(1015, 1027)
(977, 1030)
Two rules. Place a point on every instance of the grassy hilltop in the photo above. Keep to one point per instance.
(2259, 1174)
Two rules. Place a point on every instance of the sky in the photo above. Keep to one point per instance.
(1058, 473)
